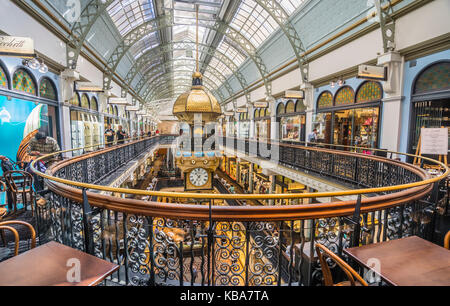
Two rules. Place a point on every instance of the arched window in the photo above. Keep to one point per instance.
(436, 77)
(85, 101)
(47, 89)
(325, 100)
(369, 92)
(116, 111)
(257, 113)
(290, 107)
(3, 78)
(266, 112)
(22, 81)
(75, 100)
(300, 106)
(94, 104)
(344, 96)
(280, 109)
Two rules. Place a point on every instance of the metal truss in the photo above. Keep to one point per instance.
(387, 24)
(282, 18)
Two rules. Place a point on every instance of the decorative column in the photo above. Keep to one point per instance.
(67, 83)
(309, 103)
(251, 115)
(390, 127)
(274, 126)
(102, 105)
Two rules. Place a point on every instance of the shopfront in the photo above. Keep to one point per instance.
(28, 104)
(430, 107)
(291, 116)
(262, 122)
(244, 126)
(85, 125)
(285, 185)
(349, 118)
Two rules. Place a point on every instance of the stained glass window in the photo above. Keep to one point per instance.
(22, 81)
(85, 101)
(257, 113)
(436, 77)
(94, 104)
(300, 106)
(75, 100)
(47, 90)
(3, 79)
(345, 96)
(369, 92)
(280, 109)
(325, 100)
(290, 107)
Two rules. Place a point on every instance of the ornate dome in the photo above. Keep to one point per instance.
(196, 101)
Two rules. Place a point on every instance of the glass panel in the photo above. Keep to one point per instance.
(3, 79)
(280, 109)
(244, 129)
(75, 100)
(322, 122)
(128, 15)
(436, 77)
(343, 122)
(300, 106)
(345, 96)
(47, 90)
(369, 92)
(290, 5)
(22, 81)
(263, 129)
(325, 100)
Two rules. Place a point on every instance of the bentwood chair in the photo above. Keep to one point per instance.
(351, 274)
(447, 241)
(6, 225)
(20, 184)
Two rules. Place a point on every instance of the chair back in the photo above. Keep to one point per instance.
(447, 241)
(327, 277)
(19, 181)
(6, 225)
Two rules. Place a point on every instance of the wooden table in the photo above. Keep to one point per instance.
(408, 261)
(47, 265)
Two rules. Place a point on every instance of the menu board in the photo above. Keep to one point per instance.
(434, 141)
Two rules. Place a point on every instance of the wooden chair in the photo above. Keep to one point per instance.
(447, 241)
(6, 225)
(20, 183)
(349, 272)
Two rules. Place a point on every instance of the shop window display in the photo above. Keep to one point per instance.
(322, 122)
(290, 127)
(47, 89)
(3, 79)
(22, 81)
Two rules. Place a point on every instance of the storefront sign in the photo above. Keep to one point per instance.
(296, 186)
(88, 87)
(294, 94)
(228, 113)
(434, 141)
(242, 110)
(372, 72)
(119, 101)
(16, 46)
(134, 108)
(261, 104)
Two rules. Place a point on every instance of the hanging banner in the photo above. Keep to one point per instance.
(16, 46)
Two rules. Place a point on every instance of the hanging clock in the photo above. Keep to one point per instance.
(199, 179)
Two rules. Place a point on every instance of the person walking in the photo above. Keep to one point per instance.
(109, 134)
(121, 135)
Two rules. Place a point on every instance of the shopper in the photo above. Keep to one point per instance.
(39, 146)
(121, 135)
(313, 136)
(109, 134)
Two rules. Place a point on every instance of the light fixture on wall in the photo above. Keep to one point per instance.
(332, 84)
(36, 63)
(340, 82)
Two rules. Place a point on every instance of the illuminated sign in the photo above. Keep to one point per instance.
(372, 72)
(17, 46)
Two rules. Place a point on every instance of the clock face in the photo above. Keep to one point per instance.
(199, 177)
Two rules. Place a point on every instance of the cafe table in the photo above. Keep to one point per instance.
(54, 264)
(410, 261)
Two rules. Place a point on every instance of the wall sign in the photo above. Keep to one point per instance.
(261, 104)
(16, 46)
(434, 141)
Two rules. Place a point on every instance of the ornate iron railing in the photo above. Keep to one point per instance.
(217, 244)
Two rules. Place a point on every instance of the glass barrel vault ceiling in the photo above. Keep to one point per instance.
(249, 18)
